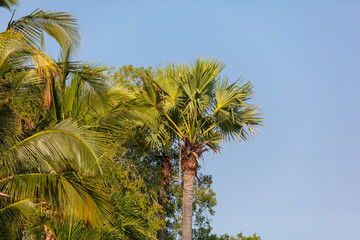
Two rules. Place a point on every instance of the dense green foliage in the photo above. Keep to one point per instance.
(91, 153)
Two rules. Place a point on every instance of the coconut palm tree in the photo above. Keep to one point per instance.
(25, 70)
(47, 165)
(69, 157)
(44, 105)
(202, 109)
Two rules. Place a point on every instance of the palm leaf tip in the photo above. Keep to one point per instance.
(61, 26)
(8, 4)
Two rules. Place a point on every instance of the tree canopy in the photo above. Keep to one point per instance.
(93, 153)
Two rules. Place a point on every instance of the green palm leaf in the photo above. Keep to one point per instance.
(60, 147)
(8, 3)
(18, 212)
(62, 26)
(17, 54)
(65, 194)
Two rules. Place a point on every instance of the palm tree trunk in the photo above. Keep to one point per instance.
(188, 191)
(165, 171)
(161, 233)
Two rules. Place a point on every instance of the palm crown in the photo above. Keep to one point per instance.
(202, 109)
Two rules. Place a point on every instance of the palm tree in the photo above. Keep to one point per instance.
(202, 109)
(44, 106)
(25, 70)
(46, 165)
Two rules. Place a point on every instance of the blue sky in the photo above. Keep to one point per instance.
(299, 177)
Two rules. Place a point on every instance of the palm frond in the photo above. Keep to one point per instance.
(62, 193)
(16, 54)
(74, 229)
(62, 26)
(208, 108)
(8, 3)
(18, 212)
(8, 124)
(96, 80)
(55, 148)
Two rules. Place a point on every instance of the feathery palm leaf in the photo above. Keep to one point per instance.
(48, 149)
(61, 26)
(19, 212)
(16, 54)
(74, 229)
(62, 192)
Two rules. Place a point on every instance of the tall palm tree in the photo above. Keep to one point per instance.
(203, 109)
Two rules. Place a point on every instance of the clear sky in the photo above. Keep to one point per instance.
(297, 179)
